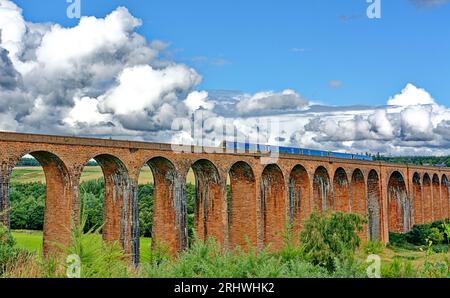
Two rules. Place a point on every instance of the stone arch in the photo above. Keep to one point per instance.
(242, 223)
(322, 191)
(299, 197)
(208, 201)
(358, 193)
(273, 200)
(58, 213)
(169, 227)
(436, 198)
(445, 196)
(117, 202)
(374, 205)
(427, 203)
(341, 191)
(399, 216)
(417, 198)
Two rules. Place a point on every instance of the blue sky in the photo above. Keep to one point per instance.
(382, 85)
(273, 45)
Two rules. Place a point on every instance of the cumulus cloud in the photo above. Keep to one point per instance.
(263, 103)
(411, 95)
(99, 74)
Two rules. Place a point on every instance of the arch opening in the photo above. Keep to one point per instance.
(358, 193)
(374, 206)
(322, 196)
(242, 222)
(299, 198)
(208, 216)
(117, 201)
(50, 196)
(399, 211)
(341, 192)
(273, 206)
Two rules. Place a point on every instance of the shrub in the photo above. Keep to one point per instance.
(9, 254)
(372, 247)
(436, 236)
(6, 247)
(420, 234)
(331, 236)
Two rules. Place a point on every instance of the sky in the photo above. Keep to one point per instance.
(330, 76)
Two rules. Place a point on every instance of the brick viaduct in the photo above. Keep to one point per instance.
(264, 197)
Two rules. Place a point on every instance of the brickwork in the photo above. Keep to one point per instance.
(341, 191)
(417, 197)
(264, 197)
(374, 207)
(427, 198)
(273, 198)
(436, 198)
(299, 198)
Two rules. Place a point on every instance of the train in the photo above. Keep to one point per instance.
(249, 147)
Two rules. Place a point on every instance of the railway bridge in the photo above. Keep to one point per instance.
(265, 194)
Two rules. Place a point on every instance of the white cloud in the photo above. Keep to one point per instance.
(263, 103)
(198, 99)
(101, 78)
(86, 111)
(62, 48)
(143, 87)
(411, 95)
(12, 27)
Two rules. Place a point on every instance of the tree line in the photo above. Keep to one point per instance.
(28, 205)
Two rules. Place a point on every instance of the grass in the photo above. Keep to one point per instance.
(36, 174)
(32, 242)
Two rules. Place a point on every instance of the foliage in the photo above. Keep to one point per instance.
(331, 237)
(9, 253)
(416, 160)
(436, 236)
(420, 234)
(28, 205)
(32, 162)
(373, 247)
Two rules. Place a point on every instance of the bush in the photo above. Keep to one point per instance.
(436, 236)
(372, 247)
(419, 235)
(9, 254)
(331, 237)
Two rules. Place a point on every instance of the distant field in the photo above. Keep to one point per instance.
(36, 174)
(32, 241)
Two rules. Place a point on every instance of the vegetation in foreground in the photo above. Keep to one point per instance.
(329, 247)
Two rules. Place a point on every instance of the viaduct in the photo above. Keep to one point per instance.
(263, 199)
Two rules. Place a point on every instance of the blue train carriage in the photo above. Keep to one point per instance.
(313, 152)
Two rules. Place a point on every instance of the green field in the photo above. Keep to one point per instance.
(32, 241)
(36, 174)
